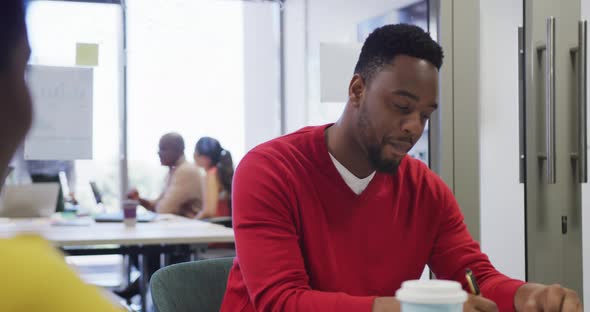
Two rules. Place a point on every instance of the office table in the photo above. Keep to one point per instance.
(163, 235)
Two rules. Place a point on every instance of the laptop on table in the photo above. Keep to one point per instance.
(116, 216)
(28, 200)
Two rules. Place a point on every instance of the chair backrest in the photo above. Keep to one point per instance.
(192, 286)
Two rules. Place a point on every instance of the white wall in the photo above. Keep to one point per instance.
(296, 64)
(326, 26)
(586, 206)
(261, 70)
(501, 195)
(308, 23)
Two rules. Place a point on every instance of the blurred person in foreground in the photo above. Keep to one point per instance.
(34, 275)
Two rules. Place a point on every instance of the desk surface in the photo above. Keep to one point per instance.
(166, 230)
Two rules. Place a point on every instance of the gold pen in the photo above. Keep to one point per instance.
(472, 282)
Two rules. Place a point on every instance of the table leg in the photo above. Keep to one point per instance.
(195, 251)
(126, 270)
(143, 279)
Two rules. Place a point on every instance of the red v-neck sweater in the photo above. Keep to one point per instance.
(306, 242)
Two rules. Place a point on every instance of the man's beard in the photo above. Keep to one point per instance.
(374, 151)
(389, 166)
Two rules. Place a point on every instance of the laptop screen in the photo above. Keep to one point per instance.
(96, 192)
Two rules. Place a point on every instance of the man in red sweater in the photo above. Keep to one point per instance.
(334, 218)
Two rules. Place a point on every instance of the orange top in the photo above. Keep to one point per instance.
(223, 209)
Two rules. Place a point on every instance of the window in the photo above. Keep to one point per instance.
(199, 68)
(55, 27)
(186, 74)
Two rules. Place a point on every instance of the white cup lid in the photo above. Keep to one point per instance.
(431, 292)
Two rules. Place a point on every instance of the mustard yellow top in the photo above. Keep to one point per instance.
(34, 277)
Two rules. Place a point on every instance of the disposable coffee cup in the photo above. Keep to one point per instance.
(431, 296)
(130, 212)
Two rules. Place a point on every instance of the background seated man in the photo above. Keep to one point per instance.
(182, 194)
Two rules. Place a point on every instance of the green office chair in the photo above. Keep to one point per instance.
(191, 287)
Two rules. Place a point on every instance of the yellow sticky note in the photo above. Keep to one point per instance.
(86, 54)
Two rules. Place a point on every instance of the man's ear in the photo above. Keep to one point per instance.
(356, 89)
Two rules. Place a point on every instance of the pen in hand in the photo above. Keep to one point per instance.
(472, 282)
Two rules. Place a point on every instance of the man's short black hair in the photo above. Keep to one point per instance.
(386, 42)
(12, 28)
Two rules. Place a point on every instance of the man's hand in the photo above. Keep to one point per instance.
(133, 194)
(479, 303)
(72, 198)
(554, 298)
(386, 304)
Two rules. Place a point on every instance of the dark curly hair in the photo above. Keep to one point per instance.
(386, 42)
(12, 28)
